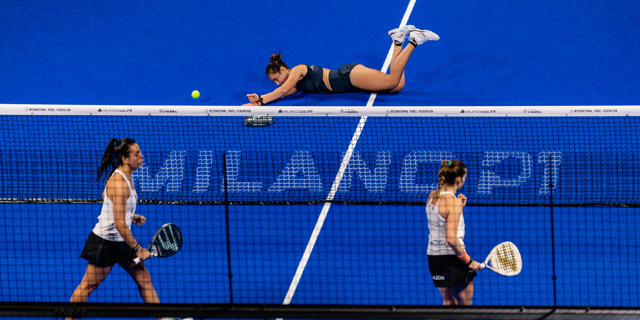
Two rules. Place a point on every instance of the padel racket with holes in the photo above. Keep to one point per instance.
(166, 242)
(504, 259)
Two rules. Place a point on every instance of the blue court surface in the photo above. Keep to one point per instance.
(491, 53)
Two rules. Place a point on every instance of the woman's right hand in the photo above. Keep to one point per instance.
(143, 254)
(475, 266)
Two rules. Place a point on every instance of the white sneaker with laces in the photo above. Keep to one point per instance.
(418, 36)
(398, 35)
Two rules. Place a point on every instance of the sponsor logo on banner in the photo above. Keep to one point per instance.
(296, 111)
(115, 110)
(530, 111)
(408, 111)
(476, 111)
(48, 109)
(594, 110)
(242, 111)
(398, 111)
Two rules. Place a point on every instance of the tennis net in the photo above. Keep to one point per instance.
(516, 156)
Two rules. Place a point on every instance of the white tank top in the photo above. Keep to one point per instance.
(106, 227)
(438, 245)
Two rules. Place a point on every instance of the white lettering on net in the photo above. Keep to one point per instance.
(410, 166)
(489, 179)
(170, 174)
(301, 162)
(375, 181)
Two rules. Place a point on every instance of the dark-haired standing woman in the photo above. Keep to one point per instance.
(111, 240)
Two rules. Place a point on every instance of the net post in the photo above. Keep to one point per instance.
(553, 245)
(228, 234)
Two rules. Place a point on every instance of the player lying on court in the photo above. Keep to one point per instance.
(351, 77)
(451, 268)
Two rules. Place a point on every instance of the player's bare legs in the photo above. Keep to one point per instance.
(459, 296)
(93, 277)
(396, 52)
(375, 80)
(141, 276)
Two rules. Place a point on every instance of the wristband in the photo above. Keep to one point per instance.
(135, 249)
(260, 102)
(465, 258)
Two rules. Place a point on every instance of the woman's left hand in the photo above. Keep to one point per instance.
(139, 220)
(253, 97)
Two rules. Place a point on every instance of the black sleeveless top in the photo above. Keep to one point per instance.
(312, 81)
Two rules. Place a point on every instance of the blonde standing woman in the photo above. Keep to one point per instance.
(452, 270)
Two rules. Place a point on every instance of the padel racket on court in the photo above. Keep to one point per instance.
(504, 259)
(166, 242)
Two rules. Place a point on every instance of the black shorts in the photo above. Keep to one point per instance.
(105, 253)
(339, 79)
(449, 271)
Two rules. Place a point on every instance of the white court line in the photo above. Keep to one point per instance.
(338, 179)
(387, 61)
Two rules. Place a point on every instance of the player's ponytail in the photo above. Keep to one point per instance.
(112, 157)
(449, 171)
(275, 64)
(436, 195)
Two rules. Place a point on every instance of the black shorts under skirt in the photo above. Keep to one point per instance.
(449, 271)
(105, 253)
(340, 81)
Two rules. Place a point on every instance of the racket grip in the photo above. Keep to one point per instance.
(483, 265)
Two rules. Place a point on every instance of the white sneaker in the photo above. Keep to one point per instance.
(418, 37)
(398, 35)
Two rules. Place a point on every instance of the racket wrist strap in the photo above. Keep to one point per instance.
(135, 249)
(465, 258)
